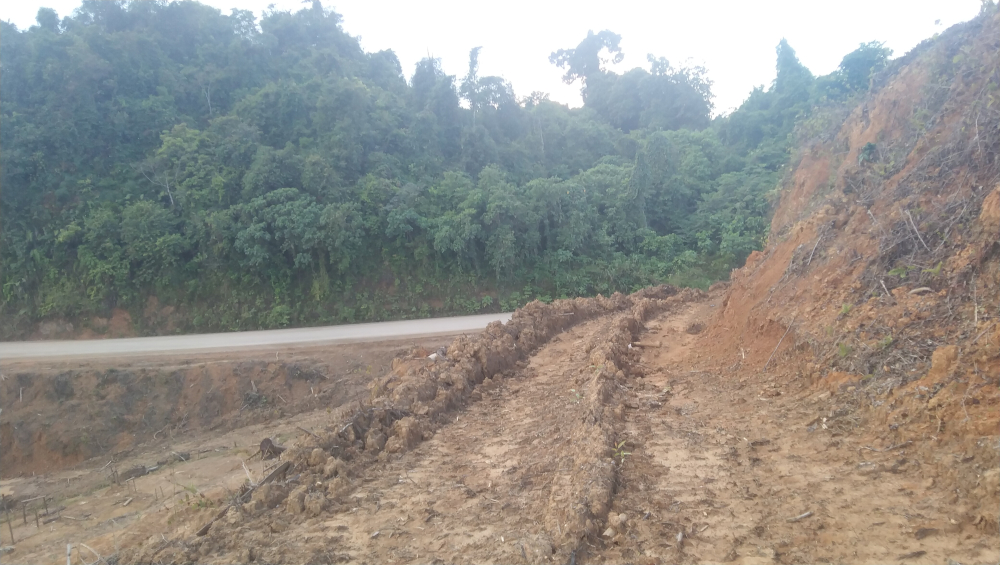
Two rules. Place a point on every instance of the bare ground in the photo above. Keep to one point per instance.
(717, 465)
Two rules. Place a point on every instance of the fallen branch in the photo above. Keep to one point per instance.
(916, 231)
(85, 517)
(280, 471)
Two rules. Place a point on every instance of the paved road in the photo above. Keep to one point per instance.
(354, 333)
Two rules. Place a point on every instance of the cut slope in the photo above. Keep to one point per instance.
(881, 279)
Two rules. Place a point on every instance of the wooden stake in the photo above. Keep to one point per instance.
(69, 554)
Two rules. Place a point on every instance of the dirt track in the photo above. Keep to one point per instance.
(715, 467)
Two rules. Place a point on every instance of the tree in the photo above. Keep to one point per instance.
(858, 66)
(588, 58)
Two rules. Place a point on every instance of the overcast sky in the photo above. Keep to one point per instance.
(734, 40)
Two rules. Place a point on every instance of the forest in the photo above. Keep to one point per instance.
(267, 172)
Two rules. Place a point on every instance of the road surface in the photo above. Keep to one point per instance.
(353, 333)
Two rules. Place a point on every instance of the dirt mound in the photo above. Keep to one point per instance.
(880, 283)
(59, 416)
(421, 396)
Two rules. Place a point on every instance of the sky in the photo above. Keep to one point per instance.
(733, 40)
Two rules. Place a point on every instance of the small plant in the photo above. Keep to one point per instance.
(843, 350)
(620, 453)
(845, 309)
(885, 342)
(901, 272)
(935, 271)
(577, 396)
(867, 153)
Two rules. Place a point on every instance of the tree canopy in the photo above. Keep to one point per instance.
(263, 173)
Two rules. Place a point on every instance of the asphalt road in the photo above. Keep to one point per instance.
(353, 333)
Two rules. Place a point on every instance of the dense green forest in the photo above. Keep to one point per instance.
(265, 173)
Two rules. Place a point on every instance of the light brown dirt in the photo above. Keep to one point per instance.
(729, 463)
(839, 401)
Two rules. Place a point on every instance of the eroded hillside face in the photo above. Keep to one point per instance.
(882, 271)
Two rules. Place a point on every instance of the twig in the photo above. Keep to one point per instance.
(779, 344)
(819, 239)
(800, 517)
(249, 476)
(101, 559)
(990, 327)
(887, 293)
(912, 223)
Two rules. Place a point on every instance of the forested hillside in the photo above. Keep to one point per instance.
(256, 174)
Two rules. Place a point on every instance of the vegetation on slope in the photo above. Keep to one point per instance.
(257, 174)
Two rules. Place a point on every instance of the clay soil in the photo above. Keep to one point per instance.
(837, 402)
(691, 465)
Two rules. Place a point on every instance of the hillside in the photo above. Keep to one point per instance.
(168, 168)
(837, 401)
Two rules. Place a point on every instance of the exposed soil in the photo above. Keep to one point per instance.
(839, 401)
(61, 413)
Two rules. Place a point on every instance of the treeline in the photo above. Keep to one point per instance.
(258, 174)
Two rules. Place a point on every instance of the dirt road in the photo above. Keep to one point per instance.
(145, 346)
(615, 441)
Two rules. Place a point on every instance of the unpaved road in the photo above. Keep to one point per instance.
(353, 333)
(690, 460)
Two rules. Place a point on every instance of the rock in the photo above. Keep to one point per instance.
(538, 548)
(296, 500)
(618, 521)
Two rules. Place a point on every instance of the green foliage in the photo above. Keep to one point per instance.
(269, 173)
(619, 452)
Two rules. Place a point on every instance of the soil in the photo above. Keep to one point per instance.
(838, 401)
(62, 413)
